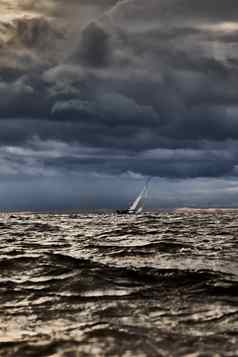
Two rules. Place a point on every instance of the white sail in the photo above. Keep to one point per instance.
(137, 205)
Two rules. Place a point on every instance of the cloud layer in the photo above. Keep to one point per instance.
(148, 87)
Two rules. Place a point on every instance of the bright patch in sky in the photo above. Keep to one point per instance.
(222, 26)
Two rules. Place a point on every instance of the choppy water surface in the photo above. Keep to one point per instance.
(105, 285)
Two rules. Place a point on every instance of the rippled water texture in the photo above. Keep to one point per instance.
(106, 285)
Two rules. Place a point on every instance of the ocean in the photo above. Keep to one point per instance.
(157, 284)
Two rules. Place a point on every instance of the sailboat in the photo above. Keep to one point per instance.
(138, 204)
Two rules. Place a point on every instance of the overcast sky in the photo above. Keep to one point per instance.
(96, 95)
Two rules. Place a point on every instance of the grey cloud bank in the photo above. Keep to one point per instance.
(116, 86)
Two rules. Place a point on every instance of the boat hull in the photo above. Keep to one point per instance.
(125, 211)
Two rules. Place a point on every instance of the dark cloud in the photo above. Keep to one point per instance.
(172, 11)
(24, 97)
(206, 9)
(94, 47)
(109, 109)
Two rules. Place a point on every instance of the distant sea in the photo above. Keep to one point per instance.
(164, 283)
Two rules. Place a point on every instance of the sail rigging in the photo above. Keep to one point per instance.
(137, 205)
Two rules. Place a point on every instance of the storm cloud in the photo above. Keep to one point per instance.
(112, 87)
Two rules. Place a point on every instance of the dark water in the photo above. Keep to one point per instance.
(104, 285)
